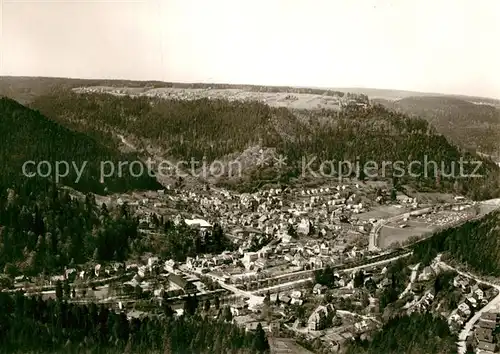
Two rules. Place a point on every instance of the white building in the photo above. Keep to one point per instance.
(304, 227)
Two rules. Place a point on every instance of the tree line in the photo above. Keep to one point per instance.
(475, 243)
(30, 324)
(413, 334)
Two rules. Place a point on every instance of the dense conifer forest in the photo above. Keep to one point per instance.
(44, 229)
(219, 128)
(462, 120)
(31, 325)
(475, 243)
(27, 135)
(413, 334)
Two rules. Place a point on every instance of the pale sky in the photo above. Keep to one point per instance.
(448, 46)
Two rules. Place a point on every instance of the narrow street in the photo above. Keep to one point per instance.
(462, 337)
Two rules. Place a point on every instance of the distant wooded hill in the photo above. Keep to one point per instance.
(215, 129)
(468, 123)
(26, 89)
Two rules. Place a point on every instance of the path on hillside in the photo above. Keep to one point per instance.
(414, 271)
(125, 142)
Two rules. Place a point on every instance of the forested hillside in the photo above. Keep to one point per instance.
(475, 243)
(43, 229)
(26, 135)
(31, 325)
(217, 128)
(468, 124)
(414, 334)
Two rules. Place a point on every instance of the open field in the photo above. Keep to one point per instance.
(274, 99)
(382, 212)
(25, 88)
(391, 232)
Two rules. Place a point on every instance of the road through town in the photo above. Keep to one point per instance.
(310, 278)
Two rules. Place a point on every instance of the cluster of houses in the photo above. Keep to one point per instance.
(316, 226)
(319, 318)
(484, 334)
(308, 255)
(455, 214)
(475, 299)
(327, 212)
(206, 262)
(287, 215)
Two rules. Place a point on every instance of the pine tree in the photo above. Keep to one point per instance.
(260, 343)
(393, 194)
(218, 345)
(227, 314)
(66, 289)
(267, 299)
(167, 344)
(59, 290)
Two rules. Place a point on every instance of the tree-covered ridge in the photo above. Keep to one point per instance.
(29, 324)
(475, 243)
(217, 128)
(24, 88)
(463, 122)
(26, 135)
(414, 334)
(211, 128)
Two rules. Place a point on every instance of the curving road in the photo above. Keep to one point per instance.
(375, 232)
(490, 205)
(462, 337)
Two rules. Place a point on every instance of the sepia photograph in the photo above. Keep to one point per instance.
(249, 177)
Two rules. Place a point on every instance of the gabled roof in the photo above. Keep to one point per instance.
(200, 222)
(489, 316)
